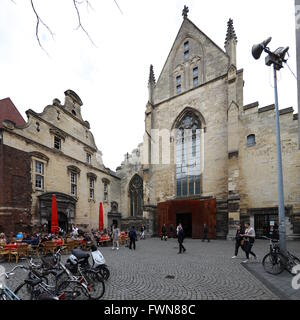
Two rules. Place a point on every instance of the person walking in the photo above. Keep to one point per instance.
(239, 240)
(205, 233)
(142, 232)
(132, 237)
(164, 232)
(249, 237)
(180, 237)
(115, 236)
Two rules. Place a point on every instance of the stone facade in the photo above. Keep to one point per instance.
(60, 142)
(201, 84)
(297, 12)
(241, 177)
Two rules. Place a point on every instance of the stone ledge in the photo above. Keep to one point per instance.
(251, 105)
(285, 111)
(267, 108)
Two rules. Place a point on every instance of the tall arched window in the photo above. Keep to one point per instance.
(188, 161)
(136, 196)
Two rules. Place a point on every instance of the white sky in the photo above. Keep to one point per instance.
(112, 78)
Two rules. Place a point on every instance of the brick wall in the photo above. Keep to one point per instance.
(15, 190)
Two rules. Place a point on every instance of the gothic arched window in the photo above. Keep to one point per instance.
(136, 196)
(188, 161)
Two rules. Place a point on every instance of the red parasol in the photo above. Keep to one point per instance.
(54, 216)
(101, 224)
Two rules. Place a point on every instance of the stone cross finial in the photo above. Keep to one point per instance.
(185, 12)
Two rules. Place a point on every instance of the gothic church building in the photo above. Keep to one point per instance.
(216, 166)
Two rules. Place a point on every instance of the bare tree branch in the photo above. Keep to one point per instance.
(76, 2)
(38, 21)
(118, 6)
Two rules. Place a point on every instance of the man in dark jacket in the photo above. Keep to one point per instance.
(238, 240)
(164, 232)
(205, 232)
(180, 237)
(132, 237)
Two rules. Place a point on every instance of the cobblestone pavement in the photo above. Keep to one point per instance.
(204, 272)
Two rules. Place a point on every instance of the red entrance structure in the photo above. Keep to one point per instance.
(191, 213)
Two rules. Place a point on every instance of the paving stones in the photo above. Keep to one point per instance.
(205, 272)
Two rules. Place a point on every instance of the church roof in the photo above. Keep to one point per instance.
(8, 111)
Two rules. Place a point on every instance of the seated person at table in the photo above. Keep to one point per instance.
(19, 236)
(35, 240)
(11, 238)
(3, 240)
(44, 238)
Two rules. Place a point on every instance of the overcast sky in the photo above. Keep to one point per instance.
(112, 77)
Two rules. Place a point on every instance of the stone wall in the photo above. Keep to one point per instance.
(258, 163)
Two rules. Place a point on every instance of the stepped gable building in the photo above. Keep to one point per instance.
(205, 158)
(53, 153)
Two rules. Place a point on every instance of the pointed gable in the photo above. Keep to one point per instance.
(8, 111)
(194, 59)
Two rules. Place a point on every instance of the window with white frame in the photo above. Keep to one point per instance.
(39, 175)
(88, 158)
(57, 143)
(105, 191)
(92, 188)
(74, 184)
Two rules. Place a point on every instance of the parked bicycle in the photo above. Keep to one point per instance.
(5, 292)
(276, 261)
(77, 271)
(36, 287)
(78, 264)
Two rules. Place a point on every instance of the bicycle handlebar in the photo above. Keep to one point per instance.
(7, 274)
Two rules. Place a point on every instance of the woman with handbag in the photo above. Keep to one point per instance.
(239, 240)
(249, 241)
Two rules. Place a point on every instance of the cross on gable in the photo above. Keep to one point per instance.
(185, 12)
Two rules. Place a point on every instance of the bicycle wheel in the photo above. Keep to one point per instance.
(35, 275)
(24, 291)
(95, 284)
(291, 263)
(105, 273)
(273, 264)
(73, 290)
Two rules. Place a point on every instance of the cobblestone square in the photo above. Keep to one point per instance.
(205, 271)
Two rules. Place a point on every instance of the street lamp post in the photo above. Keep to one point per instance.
(276, 59)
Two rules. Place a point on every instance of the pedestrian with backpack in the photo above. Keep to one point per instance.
(132, 237)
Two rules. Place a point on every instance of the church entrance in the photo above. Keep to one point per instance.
(186, 221)
(192, 214)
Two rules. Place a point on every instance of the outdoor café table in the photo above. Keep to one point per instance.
(104, 239)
